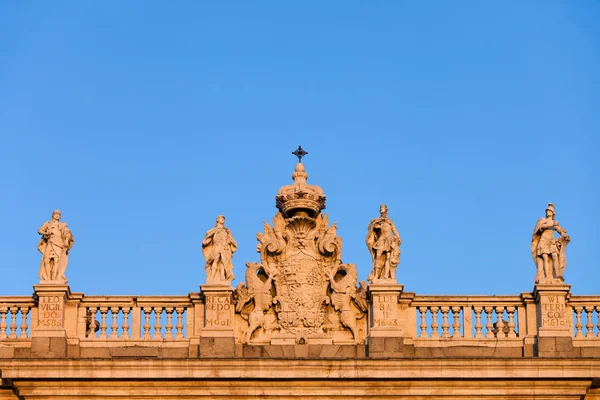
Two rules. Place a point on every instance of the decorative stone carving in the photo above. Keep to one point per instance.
(259, 290)
(300, 255)
(384, 243)
(548, 252)
(218, 247)
(344, 293)
(55, 245)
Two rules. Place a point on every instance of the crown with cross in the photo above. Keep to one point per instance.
(300, 198)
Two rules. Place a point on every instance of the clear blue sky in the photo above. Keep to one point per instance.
(143, 120)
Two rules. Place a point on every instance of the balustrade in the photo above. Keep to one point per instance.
(15, 316)
(145, 318)
(499, 313)
(586, 314)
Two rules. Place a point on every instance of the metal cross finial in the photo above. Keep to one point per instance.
(299, 153)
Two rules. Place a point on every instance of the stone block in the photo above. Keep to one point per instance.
(73, 351)
(134, 351)
(314, 351)
(7, 352)
(250, 351)
(274, 351)
(329, 351)
(376, 345)
(289, 351)
(348, 351)
(173, 352)
(564, 344)
(94, 352)
(22, 352)
(40, 346)
(590, 352)
(393, 344)
(301, 350)
(361, 351)
(217, 347)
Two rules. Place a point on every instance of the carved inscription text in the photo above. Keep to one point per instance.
(51, 309)
(218, 312)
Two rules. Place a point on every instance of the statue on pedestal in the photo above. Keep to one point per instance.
(55, 245)
(218, 247)
(384, 243)
(548, 252)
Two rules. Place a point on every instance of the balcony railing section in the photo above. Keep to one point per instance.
(586, 316)
(135, 317)
(15, 317)
(468, 317)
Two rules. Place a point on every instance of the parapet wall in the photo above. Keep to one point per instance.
(58, 323)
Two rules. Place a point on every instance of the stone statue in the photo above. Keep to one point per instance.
(55, 245)
(384, 243)
(258, 290)
(344, 292)
(218, 247)
(548, 252)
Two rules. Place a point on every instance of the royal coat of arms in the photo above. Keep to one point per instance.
(300, 259)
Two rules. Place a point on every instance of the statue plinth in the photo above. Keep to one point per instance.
(383, 310)
(218, 310)
(554, 317)
(48, 333)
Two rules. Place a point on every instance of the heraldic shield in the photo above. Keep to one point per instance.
(301, 289)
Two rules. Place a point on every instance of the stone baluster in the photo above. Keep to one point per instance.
(147, 326)
(179, 326)
(598, 314)
(478, 325)
(445, 325)
(125, 333)
(489, 326)
(114, 327)
(590, 324)
(3, 326)
(169, 327)
(103, 326)
(456, 323)
(157, 324)
(578, 325)
(511, 322)
(423, 326)
(434, 323)
(24, 312)
(500, 322)
(13, 322)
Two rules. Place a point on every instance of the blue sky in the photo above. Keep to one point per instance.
(142, 121)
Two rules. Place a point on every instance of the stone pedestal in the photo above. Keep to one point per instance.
(383, 312)
(217, 339)
(385, 337)
(49, 337)
(554, 318)
(554, 321)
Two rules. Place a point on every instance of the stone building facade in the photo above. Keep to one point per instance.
(301, 325)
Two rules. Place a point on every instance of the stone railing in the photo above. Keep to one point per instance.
(586, 314)
(107, 326)
(469, 317)
(135, 317)
(15, 313)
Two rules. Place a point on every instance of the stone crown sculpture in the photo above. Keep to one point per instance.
(300, 197)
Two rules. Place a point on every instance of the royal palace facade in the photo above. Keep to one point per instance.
(301, 325)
